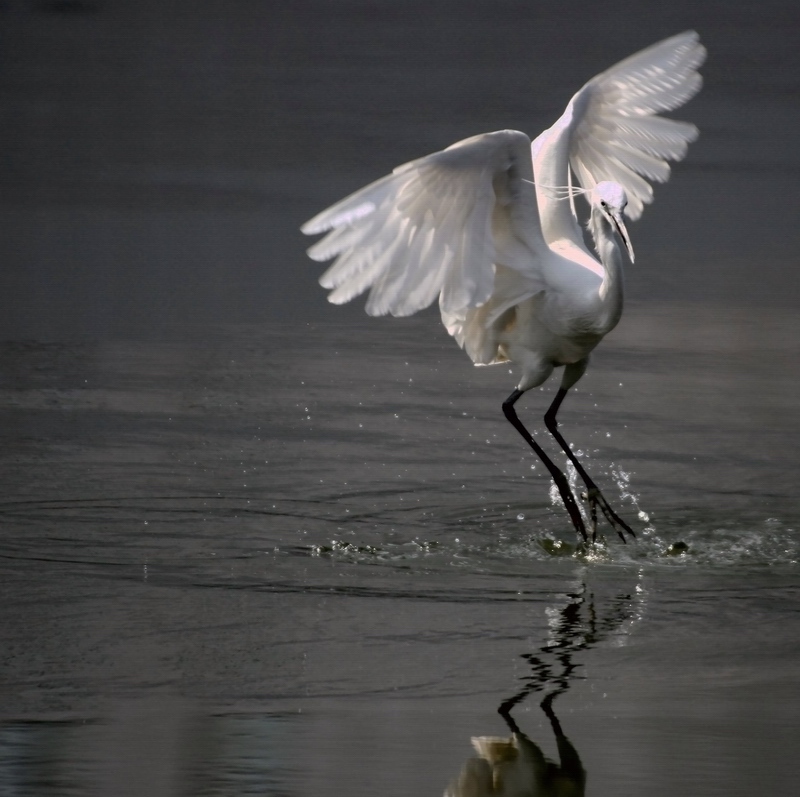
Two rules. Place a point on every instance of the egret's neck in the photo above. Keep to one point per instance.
(611, 290)
(552, 174)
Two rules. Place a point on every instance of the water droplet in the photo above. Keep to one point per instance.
(520, 516)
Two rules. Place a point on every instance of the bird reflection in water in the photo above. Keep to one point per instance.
(515, 766)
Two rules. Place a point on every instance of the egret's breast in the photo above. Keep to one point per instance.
(550, 333)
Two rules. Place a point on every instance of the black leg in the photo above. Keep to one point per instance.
(571, 768)
(558, 477)
(593, 494)
(547, 707)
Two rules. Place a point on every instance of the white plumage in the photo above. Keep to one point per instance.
(483, 226)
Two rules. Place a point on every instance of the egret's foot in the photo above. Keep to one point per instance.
(580, 526)
(595, 498)
(571, 505)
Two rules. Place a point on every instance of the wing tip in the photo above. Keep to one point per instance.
(326, 220)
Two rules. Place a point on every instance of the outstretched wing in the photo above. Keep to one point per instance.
(619, 135)
(435, 228)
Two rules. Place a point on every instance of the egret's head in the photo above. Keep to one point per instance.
(610, 195)
(610, 199)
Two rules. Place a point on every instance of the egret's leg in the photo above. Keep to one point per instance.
(570, 762)
(558, 477)
(594, 496)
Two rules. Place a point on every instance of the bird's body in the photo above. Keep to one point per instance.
(483, 226)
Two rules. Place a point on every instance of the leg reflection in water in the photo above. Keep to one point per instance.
(515, 766)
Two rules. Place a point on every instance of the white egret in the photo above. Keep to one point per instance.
(483, 227)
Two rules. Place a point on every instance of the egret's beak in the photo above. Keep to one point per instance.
(616, 220)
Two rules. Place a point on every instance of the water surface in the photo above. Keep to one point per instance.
(254, 544)
(324, 562)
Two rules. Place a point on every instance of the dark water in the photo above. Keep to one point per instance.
(251, 544)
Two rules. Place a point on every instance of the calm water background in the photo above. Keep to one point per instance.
(254, 544)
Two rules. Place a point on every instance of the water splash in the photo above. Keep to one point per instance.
(491, 539)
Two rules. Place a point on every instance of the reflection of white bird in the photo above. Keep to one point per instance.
(516, 767)
(506, 257)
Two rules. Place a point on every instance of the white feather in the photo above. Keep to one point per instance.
(426, 230)
(620, 108)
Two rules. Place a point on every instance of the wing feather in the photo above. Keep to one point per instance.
(426, 230)
(620, 136)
